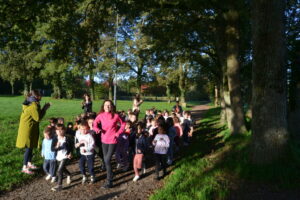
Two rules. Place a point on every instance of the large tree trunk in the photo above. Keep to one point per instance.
(294, 92)
(233, 73)
(25, 88)
(269, 122)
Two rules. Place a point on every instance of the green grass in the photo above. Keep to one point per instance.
(217, 161)
(10, 110)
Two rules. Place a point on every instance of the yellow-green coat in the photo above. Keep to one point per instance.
(28, 134)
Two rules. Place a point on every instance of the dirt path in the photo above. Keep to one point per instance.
(124, 187)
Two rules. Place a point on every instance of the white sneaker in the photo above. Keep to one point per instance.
(92, 180)
(136, 178)
(68, 180)
(118, 166)
(48, 177)
(56, 188)
(53, 179)
(83, 179)
(144, 170)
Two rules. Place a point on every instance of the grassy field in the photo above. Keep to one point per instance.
(217, 163)
(10, 110)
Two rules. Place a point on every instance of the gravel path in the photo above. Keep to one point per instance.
(124, 187)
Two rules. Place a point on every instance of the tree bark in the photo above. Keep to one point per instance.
(269, 122)
(110, 86)
(237, 123)
(12, 88)
(182, 84)
(168, 92)
(92, 83)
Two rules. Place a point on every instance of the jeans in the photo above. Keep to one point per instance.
(108, 150)
(27, 156)
(90, 163)
(161, 162)
(61, 170)
(49, 167)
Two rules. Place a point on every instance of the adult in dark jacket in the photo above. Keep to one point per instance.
(28, 133)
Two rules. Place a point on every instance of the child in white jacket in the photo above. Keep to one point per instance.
(86, 144)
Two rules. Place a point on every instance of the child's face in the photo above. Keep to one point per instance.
(90, 122)
(127, 126)
(60, 132)
(83, 130)
(47, 136)
(139, 130)
(132, 118)
(60, 121)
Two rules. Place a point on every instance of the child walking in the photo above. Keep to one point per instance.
(86, 144)
(49, 165)
(140, 149)
(161, 144)
(63, 147)
(122, 147)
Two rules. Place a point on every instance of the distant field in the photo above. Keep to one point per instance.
(10, 110)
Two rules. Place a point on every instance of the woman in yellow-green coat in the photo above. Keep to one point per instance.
(28, 134)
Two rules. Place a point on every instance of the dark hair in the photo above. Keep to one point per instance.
(137, 97)
(53, 120)
(169, 122)
(48, 130)
(35, 93)
(60, 127)
(84, 123)
(113, 108)
(176, 119)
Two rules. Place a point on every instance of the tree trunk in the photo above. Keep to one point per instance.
(139, 79)
(168, 93)
(12, 88)
(217, 97)
(182, 84)
(92, 84)
(294, 92)
(110, 86)
(269, 122)
(30, 86)
(25, 88)
(233, 73)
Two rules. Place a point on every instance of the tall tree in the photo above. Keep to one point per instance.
(269, 98)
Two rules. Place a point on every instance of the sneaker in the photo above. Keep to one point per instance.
(57, 188)
(144, 170)
(68, 180)
(136, 178)
(118, 166)
(83, 179)
(92, 179)
(169, 162)
(107, 185)
(32, 166)
(53, 179)
(27, 171)
(48, 177)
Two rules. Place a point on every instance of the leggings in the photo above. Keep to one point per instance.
(27, 156)
(61, 170)
(108, 150)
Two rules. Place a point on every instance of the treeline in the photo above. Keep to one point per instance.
(243, 54)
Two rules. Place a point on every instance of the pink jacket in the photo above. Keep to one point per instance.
(111, 128)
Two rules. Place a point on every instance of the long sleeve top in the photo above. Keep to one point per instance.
(64, 149)
(161, 143)
(111, 127)
(88, 144)
(47, 152)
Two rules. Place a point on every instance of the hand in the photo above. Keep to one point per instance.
(46, 106)
(69, 156)
(139, 151)
(57, 145)
(77, 145)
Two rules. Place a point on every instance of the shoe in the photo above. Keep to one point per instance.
(57, 188)
(27, 171)
(118, 166)
(102, 168)
(68, 180)
(83, 179)
(144, 170)
(32, 166)
(92, 179)
(136, 178)
(53, 179)
(48, 177)
(169, 162)
(107, 185)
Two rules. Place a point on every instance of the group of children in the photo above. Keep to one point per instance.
(159, 135)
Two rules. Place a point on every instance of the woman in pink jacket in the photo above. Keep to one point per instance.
(110, 125)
